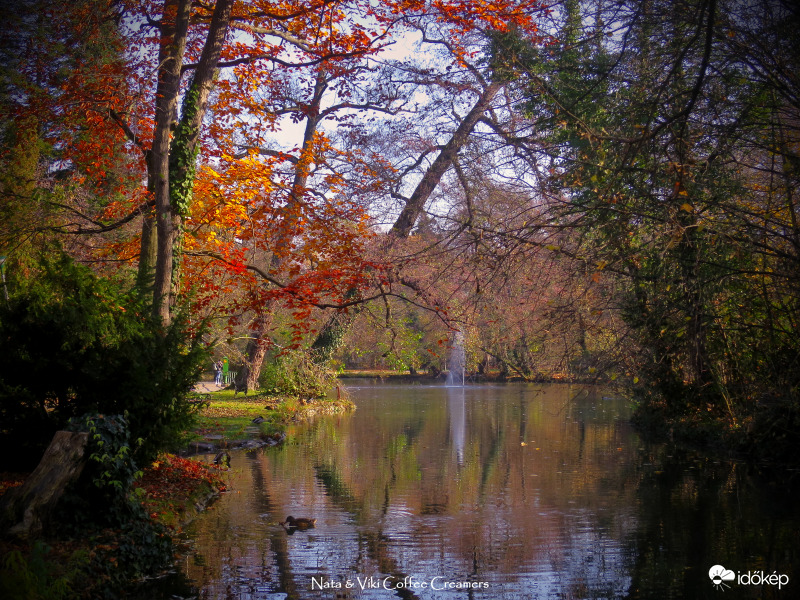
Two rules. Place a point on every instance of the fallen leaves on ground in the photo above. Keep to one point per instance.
(171, 485)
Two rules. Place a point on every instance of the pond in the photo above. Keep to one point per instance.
(491, 491)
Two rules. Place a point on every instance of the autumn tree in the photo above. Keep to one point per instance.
(191, 96)
(62, 164)
(460, 89)
(322, 94)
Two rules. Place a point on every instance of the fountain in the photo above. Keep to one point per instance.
(455, 374)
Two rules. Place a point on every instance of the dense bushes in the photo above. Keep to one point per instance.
(104, 536)
(296, 374)
(102, 506)
(72, 344)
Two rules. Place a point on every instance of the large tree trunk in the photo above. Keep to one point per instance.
(25, 511)
(174, 32)
(172, 158)
(331, 335)
(148, 252)
(416, 202)
(257, 347)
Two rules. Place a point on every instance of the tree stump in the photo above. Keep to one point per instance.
(25, 511)
(240, 381)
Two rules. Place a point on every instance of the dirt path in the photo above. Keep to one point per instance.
(205, 387)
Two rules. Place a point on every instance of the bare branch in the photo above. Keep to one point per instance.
(100, 227)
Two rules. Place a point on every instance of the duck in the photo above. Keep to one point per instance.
(223, 458)
(300, 523)
(258, 419)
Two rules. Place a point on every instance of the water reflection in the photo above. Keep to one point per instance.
(486, 492)
(457, 417)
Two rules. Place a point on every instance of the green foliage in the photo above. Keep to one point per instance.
(404, 350)
(294, 373)
(72, 344)
(183, 155)
(119, 542)
(671, 155)
(330, 338)
(111, 468)
(102, 506)
(36, 577)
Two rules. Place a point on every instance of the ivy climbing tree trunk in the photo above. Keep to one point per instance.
(171, 160)
(174, 31)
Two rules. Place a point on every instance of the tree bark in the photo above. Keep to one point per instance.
(25, 511)
(148, 252)
(416, 203)
(172, 159)
(256, 349)
(174, 33)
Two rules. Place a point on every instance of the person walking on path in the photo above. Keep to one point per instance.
(217, 373)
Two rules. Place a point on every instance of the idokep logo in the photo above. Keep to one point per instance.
(719, 576)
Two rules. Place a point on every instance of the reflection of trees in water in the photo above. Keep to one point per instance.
(277, 542)
(480, 497)
(424, 483)
(696, 512)
(235, 554)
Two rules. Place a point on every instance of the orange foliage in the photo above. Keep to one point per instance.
(250, 203)
(171, 484)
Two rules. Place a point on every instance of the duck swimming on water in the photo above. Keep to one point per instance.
(300, 523)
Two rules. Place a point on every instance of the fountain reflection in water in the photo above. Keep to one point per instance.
(457, 418)
(455, 373)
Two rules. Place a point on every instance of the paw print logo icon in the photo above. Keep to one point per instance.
(719, 575)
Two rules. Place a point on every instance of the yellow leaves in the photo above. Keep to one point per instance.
(686, 207)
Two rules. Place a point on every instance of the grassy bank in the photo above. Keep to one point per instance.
(226, 419)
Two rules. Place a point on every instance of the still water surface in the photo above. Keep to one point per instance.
(489, 491)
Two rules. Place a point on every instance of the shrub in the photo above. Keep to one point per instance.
(37, 576)
(102, 507)
(294, 373)
(73, 343)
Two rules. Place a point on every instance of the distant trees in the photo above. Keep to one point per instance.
(630, 209)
